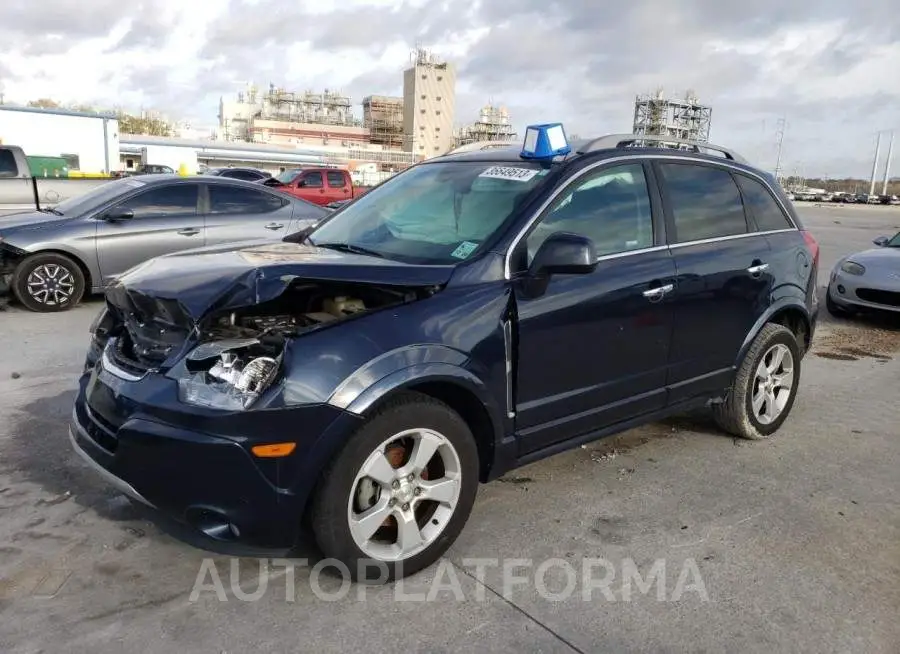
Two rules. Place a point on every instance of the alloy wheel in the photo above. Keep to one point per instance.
(773, 384)
(404, 495)
(51, 284)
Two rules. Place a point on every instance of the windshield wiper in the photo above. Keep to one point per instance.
(348, 247)
(54, 211)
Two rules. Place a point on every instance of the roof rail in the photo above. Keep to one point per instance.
(611, 141)
(482, 145)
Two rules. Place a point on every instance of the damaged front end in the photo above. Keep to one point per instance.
(228, 358)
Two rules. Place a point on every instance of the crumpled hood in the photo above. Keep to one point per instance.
(28, 220)
(231, 276)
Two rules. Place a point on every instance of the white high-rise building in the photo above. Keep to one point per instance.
(429, 102)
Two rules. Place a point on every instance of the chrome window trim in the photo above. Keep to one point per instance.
(507, 272)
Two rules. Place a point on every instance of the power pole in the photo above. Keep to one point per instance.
(875, 164)
(887, 165)
(782, 124)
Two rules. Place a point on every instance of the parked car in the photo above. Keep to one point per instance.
(247, 174)
(321, 186)
(51, 258)
(867, 280)
(21, 190)
(474, 313)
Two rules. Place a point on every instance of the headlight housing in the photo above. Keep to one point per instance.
(229, 375)
(853, 268)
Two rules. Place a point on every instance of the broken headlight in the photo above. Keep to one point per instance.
(228, 375)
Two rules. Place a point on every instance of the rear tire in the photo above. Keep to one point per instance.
(48, 282)
(759, 402)
(396, 498)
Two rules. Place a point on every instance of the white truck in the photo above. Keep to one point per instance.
(21, 191)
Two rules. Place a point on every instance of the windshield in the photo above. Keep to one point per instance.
(96, 197)
(439, 213)
(287, 176)
(894, 242)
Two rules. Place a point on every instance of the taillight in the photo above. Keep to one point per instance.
(813, 246)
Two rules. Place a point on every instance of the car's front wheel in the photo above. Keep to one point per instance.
(399, 493)
(764, 387)
(48, 282)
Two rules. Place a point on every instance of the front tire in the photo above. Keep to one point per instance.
(764, 387)
(399, 493)
(48, 282)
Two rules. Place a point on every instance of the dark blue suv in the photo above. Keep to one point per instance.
(476, 312)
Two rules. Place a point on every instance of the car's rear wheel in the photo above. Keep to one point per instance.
(764, 387)
(399, 493)
(48, 282)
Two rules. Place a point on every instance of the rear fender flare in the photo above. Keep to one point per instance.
(791, 303)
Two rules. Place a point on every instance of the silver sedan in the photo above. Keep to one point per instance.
(867, 280)
(50, 259)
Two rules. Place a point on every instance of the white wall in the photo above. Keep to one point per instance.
(51, 134)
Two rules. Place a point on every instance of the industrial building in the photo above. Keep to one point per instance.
(493, 124)
(686, 119)
(429, 101)
(383, 117)
(88, 141)
(284, 118)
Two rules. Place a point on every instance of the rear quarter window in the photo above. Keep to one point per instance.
(766, 211)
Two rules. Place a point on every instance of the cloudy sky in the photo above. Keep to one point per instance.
(830, 67)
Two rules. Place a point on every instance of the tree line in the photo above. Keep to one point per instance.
(128, 123)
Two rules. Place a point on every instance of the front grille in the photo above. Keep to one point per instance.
(887, 298)
(97, 429)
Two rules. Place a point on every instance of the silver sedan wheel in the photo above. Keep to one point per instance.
(51, 284)
(404, 495)
(773, 384)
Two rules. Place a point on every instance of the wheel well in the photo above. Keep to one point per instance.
(88, 283)
(472, 410)
(797, 322)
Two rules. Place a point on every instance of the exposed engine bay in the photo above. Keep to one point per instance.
(240, 351)
(305, 306)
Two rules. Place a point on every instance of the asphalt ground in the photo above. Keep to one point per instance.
(668, 538)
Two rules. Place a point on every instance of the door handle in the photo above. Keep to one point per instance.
(757, 268)
(659, 291)
(274, 226)
(190, 231)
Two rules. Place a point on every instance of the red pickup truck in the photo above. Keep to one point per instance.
(318, 185)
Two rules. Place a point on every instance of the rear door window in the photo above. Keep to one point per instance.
(705, 202)
(759, 200)
(336, 179)
(225, 199)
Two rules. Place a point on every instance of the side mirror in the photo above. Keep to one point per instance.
(564, 253)
(881, 241)
(115, 215)
(301, 183)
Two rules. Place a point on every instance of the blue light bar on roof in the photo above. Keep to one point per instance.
(545, 141)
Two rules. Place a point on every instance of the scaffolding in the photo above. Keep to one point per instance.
(326, 108)
(383, 115)
(492, 125)
(686, 120)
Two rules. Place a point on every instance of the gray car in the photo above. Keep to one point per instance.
(867, 280)
(50, 259)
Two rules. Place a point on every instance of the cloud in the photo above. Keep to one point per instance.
(827, 71)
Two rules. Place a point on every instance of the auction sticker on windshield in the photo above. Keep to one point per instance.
(464, 250)
(510, 172)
